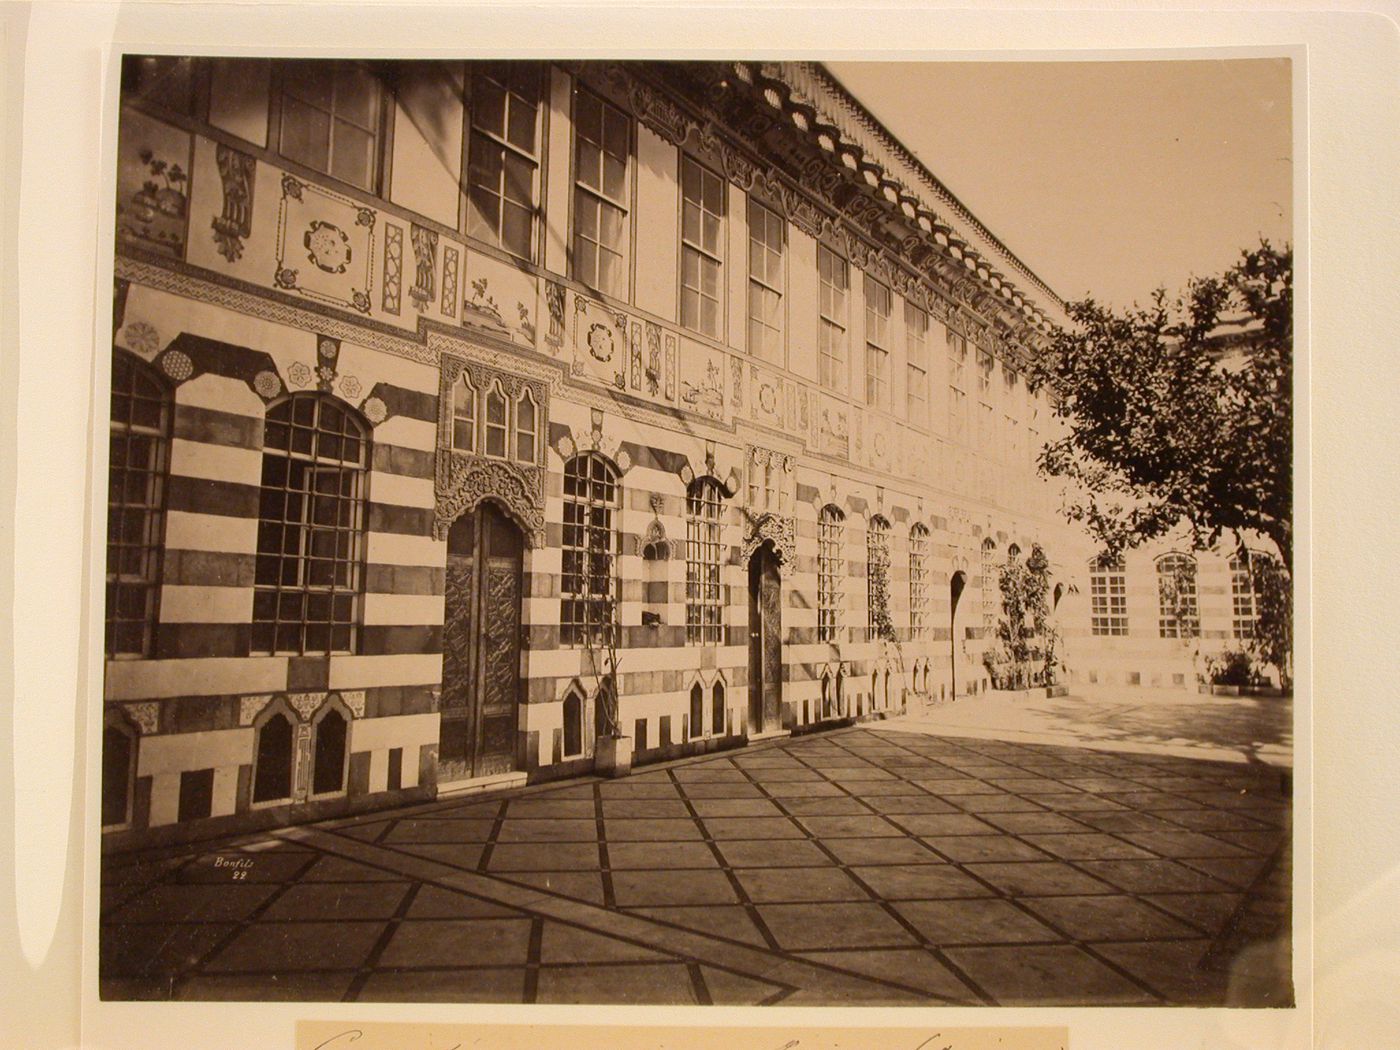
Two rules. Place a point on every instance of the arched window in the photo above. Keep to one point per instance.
(118, 771)
(310, 528)
(704, 602)
(879, 621)
(918, 581)
(826, 696)
(140, 448)
(1178, 616)
(718, 720)
(328, 750)
(1108, 596)
(464, 414)
(841, 692)
(272, 760)
(588, 575)
(496, 425)
(697, 710)
(990, 589)
(874, 690)
(526, 427)
(573, 724)
(830, 573)
(1242, 596)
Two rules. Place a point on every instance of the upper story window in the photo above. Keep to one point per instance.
(488, 423)
(916, 364)
(1242, 597)
(588, 580)
(464, 414)
(918, 580)
(767, 244)
(702, 248)
(1108, 597)
(140, 449)
(602, 147)
(957, 386)
(986, 365)
(704, 602)
(1179, 616)
(878, 305)
(834, 281)
(329, 119)
(310, 528)
(830, 572)
(504, 156)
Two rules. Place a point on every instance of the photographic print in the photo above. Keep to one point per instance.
(700, 532)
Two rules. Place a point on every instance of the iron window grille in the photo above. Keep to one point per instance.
(1178, 614)
(830, 573)
(1108, 597)
(918, 581)
(704, 603)
(589, 582)
(308, 580)
(136, 472)
(879, 622)
(1242, 601)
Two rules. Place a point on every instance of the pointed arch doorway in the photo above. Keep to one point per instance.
(481, 646)
(955, 591)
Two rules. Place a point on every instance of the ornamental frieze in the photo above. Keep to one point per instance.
(465, 480)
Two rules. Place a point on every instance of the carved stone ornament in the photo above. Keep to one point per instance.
(237, 172)
(780, 530)
(145, 716)
(249, 707)
(306, 704)
(355, 700)
(468, 480)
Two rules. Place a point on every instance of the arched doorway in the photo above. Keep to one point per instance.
(481, 646)
(955, 588)
(765, 640)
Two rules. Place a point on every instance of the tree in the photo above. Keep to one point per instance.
(1166, 423)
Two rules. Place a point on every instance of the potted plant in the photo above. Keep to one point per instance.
(612, 749)
(1229, 672)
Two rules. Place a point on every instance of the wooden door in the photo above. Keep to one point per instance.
(481, 646)
(765, 641)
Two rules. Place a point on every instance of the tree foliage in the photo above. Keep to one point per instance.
(1165, 424)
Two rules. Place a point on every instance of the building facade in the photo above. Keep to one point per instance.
(433, 380)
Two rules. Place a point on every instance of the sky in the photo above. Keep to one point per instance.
(1107, 179)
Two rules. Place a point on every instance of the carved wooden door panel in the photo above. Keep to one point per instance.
(770, 602)
(481, 646)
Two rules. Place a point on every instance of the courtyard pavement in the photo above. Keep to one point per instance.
(883, 864)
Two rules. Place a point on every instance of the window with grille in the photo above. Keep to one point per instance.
(136, 469)
(991, 590)
(310, 528)
(1178, 616)
(834, 287)
(1242, 597)
(879, 621)
(957, 386)
(767, 236)
(704, 605)
(1108, 597)
(830, 573)
(504, 155)
(602, 147)
(918, 581)
(588, 577)
(702, 248)
(878, 305)
(916, 364)
(330, 117)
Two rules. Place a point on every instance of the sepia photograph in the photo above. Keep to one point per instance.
(678, 532)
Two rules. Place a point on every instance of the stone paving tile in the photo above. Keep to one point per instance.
(911, 967)
(458, 942)
(275, 947)
(550, 807)
(752, 853)
(370, 900)
(432, 902)
(554, 856)
(278, 987)
(971, 848)
(926, 824)
(1183, 844)
(1239, 872)
(1046, 975)
(476, 985)
(147, 949)
(562, 830)
(435, 831)
(1124, 820)
(579, 885)
(196, 903)
(908, 804)
(338, 869)
(975, 922)
(1207, 911)
(630, 789)
(731, 921)
(724, 789)
(733, 989)
(1036, 878)
(655, 830)
(466, 856)
(737, 807)
(1171, 969)
(1152, 876)
(998, 804)
(882, 851)
(920, 882)
(650, 808)
(561, 943)
(655, 983)
(1088, 846)
(851, 827)
(773, 885)
(661, 855)
(799, 927)
(752, 828)
(635, 888)
(1106, 918)
(1031, 823)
